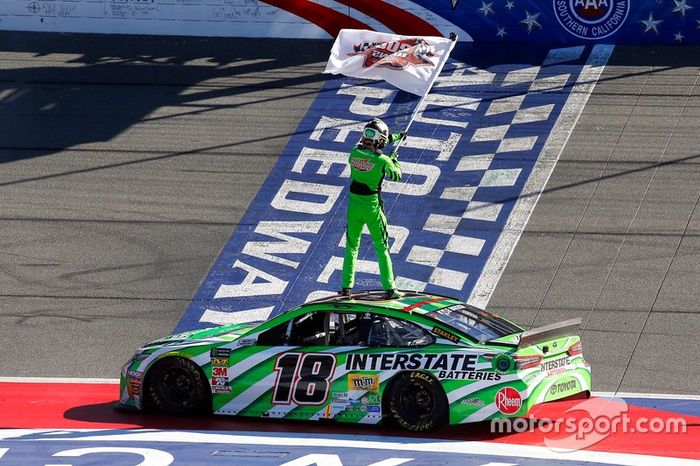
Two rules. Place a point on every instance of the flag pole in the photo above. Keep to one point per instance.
(453, 38)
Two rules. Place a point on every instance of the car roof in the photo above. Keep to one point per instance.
(412, 301)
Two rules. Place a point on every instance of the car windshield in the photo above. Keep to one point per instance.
(477, 324)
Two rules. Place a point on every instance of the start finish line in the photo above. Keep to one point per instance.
(162, 448)
(480, 150)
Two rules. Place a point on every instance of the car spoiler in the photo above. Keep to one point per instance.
(549, 332)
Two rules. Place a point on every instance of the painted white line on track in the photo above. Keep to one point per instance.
(339, 441)
(525, 205)
(56, 380)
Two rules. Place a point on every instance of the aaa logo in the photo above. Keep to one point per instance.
(395, 55)
(591, 19)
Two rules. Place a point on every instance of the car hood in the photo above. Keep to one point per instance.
(223, 333)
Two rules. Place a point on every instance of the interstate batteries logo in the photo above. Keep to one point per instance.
(396, 55)
(591, 19)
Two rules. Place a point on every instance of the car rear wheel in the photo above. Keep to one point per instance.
(417, 402)
(177, 386)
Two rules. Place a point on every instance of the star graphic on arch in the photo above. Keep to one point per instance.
(501, 33)
(510, 5)
(531, 21)
(651, 23)
(486, 8)
(681, 7)
(454, 4)
(678, 36)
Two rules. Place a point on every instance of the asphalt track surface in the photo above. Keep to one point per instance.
(127, 162)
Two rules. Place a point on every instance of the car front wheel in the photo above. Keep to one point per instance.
(177, 386)
(417, 402)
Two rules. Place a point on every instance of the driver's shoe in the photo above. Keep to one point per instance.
(392, 294)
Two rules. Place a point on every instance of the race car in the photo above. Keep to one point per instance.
(421, 361)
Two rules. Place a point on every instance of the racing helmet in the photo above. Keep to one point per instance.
(375, 134)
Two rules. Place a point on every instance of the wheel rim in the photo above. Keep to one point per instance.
(416, 398)
(177, 386)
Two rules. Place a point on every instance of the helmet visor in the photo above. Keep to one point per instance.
(369, 133)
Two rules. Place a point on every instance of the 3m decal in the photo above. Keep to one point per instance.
(303, 378)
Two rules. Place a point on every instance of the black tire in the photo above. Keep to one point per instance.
(178, 386)
(417, 402)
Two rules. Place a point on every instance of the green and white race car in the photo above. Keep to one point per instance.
(421, 360)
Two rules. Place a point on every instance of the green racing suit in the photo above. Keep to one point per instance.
(365, 207)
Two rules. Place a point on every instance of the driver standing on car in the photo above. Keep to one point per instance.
(368, 166)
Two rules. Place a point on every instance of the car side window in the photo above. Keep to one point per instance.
(346, 329)
(387, 331)
(321, 328)
(311, 329)
(275, 336)
(367, 329)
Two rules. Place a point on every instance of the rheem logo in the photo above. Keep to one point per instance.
(508, 400)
